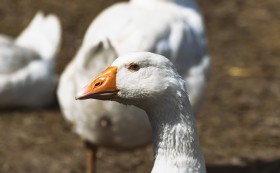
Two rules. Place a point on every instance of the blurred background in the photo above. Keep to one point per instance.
(239, 123)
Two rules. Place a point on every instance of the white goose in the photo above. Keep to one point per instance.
(173, 28)
(150, 82)
(27, 64)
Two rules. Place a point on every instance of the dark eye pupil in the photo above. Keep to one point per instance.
(134, 67)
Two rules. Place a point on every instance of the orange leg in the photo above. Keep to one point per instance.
(91, 150)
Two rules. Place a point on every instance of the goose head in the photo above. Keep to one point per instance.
(140, 79)
(150, 82)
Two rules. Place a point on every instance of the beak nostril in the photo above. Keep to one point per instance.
(97, 84)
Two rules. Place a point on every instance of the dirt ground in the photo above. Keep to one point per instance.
(239, 122)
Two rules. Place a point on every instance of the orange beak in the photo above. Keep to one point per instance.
(103, 87)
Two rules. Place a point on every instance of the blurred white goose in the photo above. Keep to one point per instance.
(151, 82)
(173, 28)
(27, 64)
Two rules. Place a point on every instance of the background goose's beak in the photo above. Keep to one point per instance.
(103, 87)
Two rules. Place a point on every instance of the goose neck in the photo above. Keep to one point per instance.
(176, 144)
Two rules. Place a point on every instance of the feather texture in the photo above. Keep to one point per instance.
(170, 28)
(27, 64)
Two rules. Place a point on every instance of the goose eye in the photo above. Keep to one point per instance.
(133, 67)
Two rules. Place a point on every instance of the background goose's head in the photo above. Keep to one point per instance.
(136, 78)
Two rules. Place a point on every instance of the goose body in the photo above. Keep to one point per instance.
(104, 124)
(27, 64)
(173, 29)
(150, 82)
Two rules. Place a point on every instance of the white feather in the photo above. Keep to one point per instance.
(158, 89)
(27, 64)
(43, 35)
(172, 28)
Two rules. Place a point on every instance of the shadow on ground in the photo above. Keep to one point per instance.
(258, 166)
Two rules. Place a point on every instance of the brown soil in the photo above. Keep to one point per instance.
(238, 124)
